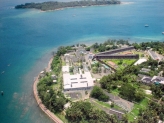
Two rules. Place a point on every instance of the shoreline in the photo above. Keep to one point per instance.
(38, 100)
(59, 9)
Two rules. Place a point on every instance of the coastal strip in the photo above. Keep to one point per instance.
(54, 5)
(38, 100)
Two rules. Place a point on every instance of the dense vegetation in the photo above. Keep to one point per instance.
(127, 91)
(108, 45)
(123, 82)
(156, 46)
(84, 112)
(158, 90)
(126, 84)
(98, 93)
(152, 114)
(53, 100)
(58, 5)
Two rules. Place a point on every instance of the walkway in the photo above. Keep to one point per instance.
(40, 104)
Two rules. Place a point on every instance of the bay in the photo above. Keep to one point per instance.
(28, 37)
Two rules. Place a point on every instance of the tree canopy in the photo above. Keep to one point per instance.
(84, 112)
(98, 93)
(53, 5)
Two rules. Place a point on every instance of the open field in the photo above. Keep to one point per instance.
(119, 64)
(135, 112)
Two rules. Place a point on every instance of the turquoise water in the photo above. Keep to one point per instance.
(28, 37)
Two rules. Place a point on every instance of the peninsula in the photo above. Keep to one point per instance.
(54, 5)
(114, 81)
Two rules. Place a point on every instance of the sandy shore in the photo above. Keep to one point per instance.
(40, 104)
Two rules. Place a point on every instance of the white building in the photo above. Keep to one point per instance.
(78, 81)
(158, 79)
(65, 69)
(140, 61)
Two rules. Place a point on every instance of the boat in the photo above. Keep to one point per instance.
(146, 25)
(3, 72)
(163, 33)
(2, 93)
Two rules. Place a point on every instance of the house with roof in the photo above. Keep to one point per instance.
(152, 80)
(145, 70)
(146, 80)
(158, 79)
(140, 61)
(112, 64)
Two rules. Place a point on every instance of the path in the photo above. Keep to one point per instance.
(40, 104)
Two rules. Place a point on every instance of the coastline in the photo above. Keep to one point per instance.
(59, 9)
(38, 100)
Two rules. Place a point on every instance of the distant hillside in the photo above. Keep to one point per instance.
(58, 5)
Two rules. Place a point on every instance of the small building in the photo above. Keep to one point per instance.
(146, 80)
(53, 77)
(145, 70)
(140, 61)
(54, 81)
(42, 72)
(148, 92)
(160, 121)
(112, 64)
(141, 76)
(67, 105)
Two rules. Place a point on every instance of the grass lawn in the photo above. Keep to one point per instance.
(115, 91)
(135, 112)
(120, 63)
(141, 54)
(103, 103)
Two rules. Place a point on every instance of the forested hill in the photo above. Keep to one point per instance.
(58, 5)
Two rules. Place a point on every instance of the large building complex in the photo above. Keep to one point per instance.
(78, 81)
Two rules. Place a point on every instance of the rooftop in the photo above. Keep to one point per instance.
(157, 79)
(145, 70)
(146, 79)
(65, 69)
(77, 81)
(140, 61)
(153, 55)
(111, 63)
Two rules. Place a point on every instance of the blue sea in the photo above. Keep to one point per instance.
(28, 37)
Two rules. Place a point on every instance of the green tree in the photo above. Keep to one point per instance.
(98, 93)
(127, 91)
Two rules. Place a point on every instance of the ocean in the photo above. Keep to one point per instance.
(28, 37)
